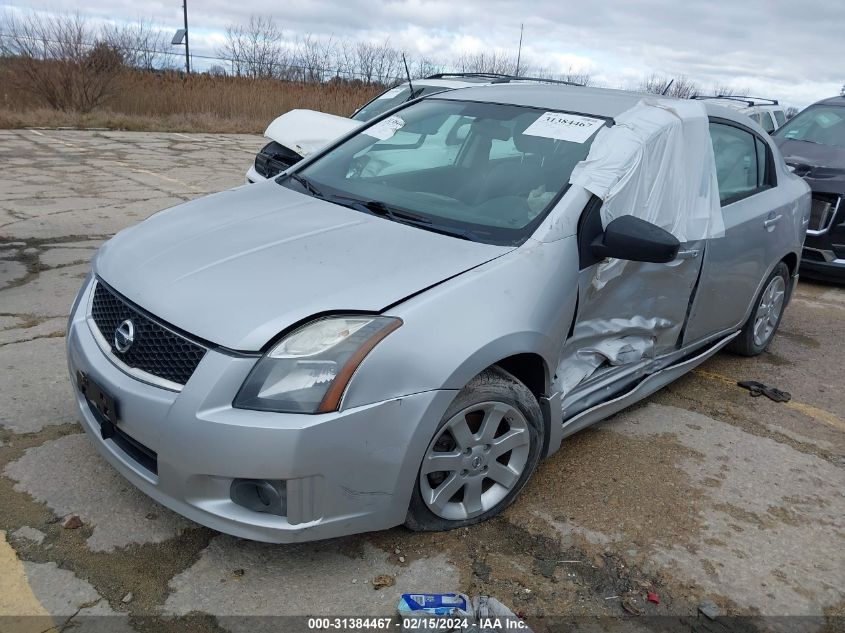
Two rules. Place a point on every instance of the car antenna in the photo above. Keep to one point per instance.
(408, 75)
(669, 85)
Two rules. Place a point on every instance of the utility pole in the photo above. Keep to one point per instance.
(187, 52)
(519, 52)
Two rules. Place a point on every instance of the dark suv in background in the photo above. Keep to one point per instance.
(813, 145)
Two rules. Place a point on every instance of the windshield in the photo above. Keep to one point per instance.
(820, 124)
(480, 171)
(392, 98)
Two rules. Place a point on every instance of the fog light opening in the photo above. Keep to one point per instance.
(260, 495)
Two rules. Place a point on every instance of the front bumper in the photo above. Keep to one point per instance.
(822, 263)
(345, 472)
(252, 176)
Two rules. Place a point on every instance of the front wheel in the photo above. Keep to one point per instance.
(482, 454)
(759, 330)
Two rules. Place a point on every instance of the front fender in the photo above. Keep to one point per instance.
(522, 302)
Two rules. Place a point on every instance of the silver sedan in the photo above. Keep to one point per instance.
(398, 328)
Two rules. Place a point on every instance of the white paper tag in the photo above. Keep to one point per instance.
(390, 93)
(383, 130)
(564, 127)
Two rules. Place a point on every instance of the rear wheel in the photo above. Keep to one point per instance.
(483, 453)
(759, 330)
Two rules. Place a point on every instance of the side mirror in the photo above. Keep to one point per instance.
(636, 240)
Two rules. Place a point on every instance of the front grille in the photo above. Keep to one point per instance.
(822, 211)
(273, 159)
(156, 349)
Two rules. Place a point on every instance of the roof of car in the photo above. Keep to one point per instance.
(840, 101)
(604, 102)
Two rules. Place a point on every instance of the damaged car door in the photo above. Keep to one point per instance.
(629, 314)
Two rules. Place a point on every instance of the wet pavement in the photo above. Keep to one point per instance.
(699, 493)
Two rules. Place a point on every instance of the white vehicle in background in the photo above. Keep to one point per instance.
(767, 113)
(298, 133)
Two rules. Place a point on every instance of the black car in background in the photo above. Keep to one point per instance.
(813, 145)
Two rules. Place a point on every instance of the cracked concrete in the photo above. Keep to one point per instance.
(72, 602)
(702, 492)
(34, 390)
(116, 512)
(776, 548)
(231, 578)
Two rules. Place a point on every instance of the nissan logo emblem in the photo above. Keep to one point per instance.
(124, 336)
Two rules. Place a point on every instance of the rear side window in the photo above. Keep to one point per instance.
(766, 122)
(780, 117)
(742, 162)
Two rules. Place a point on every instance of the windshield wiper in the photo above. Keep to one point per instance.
(377, 207)
(380, 208)
(307, 185)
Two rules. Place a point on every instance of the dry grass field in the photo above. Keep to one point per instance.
(168, 102)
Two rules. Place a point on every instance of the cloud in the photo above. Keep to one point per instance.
(784, 49)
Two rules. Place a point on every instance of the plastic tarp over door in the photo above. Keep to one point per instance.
(655, 163)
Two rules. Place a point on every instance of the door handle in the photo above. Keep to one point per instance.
(690, 254)
(772, 221)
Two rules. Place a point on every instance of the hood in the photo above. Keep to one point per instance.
(306, 131)
(238, 267)
(822, 166)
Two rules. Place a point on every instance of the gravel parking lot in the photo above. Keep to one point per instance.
(699, 493)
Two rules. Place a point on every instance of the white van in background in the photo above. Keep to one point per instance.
(767, 113)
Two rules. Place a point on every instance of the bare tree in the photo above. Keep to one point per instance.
(366, 60)
(580, 77)
(424, 67)
(346, 58)
(143, 44)
(255, 49)
(61, 59)
(680, 86)
(387, 63)
(496, 62)
(791, 111)
(314, 58)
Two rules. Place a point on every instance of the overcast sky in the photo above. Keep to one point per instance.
(790, 50)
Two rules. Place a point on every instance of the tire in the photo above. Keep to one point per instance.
(759, 330)
(491, 436)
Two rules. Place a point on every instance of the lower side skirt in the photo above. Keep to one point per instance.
(642, 389)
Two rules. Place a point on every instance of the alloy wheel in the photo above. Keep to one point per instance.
(475, 460)
(768, 312)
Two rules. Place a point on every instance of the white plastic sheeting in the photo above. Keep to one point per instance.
(656, 163)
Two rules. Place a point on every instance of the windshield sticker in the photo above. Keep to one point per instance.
(390, 93)
(383, 130)
(564, 127)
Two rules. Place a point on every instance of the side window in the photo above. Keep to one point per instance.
(766, 122)
(780, 117)
(741, 162)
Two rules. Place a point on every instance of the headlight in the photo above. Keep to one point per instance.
(308, 370)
